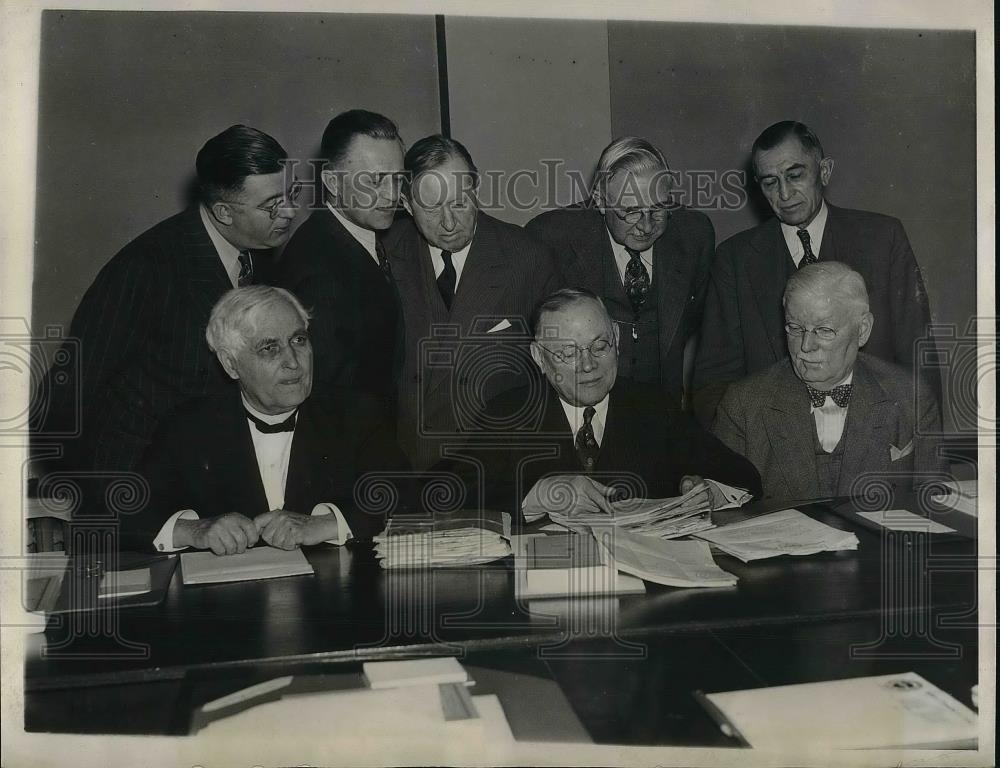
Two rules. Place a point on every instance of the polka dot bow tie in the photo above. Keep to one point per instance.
(841, 395)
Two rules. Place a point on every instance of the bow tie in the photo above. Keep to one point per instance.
(288, 425)
(841, 395)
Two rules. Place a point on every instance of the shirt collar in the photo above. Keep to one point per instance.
(364, 236)
(619, 250)
(267, 418)
(574, 413)
(228, 253)
(815, 230)
(848, 379)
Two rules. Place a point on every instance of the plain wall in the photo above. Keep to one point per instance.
(526, 90)
(127, 100)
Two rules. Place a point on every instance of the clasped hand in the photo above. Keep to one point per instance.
(234, 533)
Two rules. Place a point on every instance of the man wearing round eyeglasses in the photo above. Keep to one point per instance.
(140, 327)
(820, 422)
(648, 258)
(588, 429)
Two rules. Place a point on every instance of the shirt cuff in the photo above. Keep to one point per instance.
(164, 541)
(343, 529)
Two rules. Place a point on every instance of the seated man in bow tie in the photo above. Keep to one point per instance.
(585, 429)
(819, 423)
(262, 462)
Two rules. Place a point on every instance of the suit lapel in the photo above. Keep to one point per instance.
(555, 422)
(238, 460)
(207, 277)
(865, 431)
(766, 271)
(790, 429)
(672, 268)
(304, 463)
(590, 250)
(484, 277)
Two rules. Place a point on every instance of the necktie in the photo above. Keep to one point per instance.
(288, 425)
(586, 444)
(841, 395)
(808, 257)
(446, 280)
(383, 259)
(636, 280)
(246, 269)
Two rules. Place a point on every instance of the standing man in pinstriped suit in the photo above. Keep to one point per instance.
(141, 325)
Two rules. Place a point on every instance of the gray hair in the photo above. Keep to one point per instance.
(830, 278)
(560, 300)
(235, 313)
(630, 154)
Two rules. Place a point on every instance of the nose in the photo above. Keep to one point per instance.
(645, 224)
(290, 358)
(784, 189)
(586, 361)
(447, 219)
(286, 210)
(809, 343)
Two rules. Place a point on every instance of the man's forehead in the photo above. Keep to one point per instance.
(371, 154)
(638, 189)
(816, 307)
(262, 186)
(788, 153)
(580, 318)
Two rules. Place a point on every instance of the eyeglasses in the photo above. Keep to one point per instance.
(570, 352)
(287, 199)
(822, 332)
(657, 213)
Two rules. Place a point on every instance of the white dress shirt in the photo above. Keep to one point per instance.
(815, 230)
(574, 415)
(273, 452)
(622, 258)
(830, 419)
(364, 236)
(457, 260)
(228, 253)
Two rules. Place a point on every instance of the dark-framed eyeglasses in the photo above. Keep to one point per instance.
(822, 333)
(289, 198)
(657, 213)
(569, 353)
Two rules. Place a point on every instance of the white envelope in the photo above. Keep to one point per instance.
(503, 325)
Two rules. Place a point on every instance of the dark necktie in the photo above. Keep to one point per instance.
(446, 280)
(586, 444)
(808, 257)
(383, 259)
(288, 425)
(636, 280)
(841, 395)
(246, 269)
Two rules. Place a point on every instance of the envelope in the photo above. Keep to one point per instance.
(503, 325)
(895, 454)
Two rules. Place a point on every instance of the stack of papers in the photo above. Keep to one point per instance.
(727, 496)
(672, 563)
(457, 546)
(962, 496)
(663, 518)
(256, 563)
(395, 674)
(788, 532)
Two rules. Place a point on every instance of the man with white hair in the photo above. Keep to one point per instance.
(818, 422)
(262, 462)
(648, 259)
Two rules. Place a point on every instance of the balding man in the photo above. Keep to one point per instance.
(262, 461)
(646, 257)
(814, 423)
(742, 330)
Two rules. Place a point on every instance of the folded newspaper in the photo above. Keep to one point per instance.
(455, 546)
(671, 563)
(788, 532)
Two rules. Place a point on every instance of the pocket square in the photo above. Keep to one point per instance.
(895, 454)
(503, 325)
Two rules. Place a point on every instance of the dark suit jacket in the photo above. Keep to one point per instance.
(743, 328)
(142, 351)
(649, 444)
(356, 328)
(203, 459)
(766, 418)
(451, 358)
(682, 261)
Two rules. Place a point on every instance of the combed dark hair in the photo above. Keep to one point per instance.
(777, 133)
(432, 152)
(354, 122)
(227, 159)
(558, 300)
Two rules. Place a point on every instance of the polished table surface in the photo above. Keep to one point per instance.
(819, 617)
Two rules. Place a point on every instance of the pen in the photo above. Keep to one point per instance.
(720, 718)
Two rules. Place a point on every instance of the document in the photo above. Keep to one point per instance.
(904, 520)
(393, 674)
(444, 547)
(255, 563)
(664, 518)
(125, 583)
(788, 532)
(902, 710)
(962, 496)
(667, 562)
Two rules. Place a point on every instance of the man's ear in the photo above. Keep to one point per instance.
(221, 213)
(536, 355)
(865, 328)
(617, 332)
(228, 362)
(331, 182)
(825, 170)
(598, 198)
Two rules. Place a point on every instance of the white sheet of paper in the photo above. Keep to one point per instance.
(904, 520)
(393, 674)
(255, 563)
